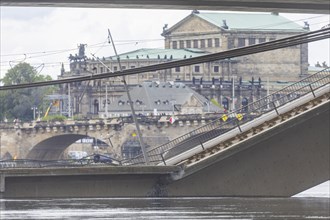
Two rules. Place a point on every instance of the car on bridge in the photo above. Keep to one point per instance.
(98, 159)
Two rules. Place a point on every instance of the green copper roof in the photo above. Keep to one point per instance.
(248, 21)
(169, 54)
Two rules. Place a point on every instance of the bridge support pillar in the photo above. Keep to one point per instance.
(2, 184)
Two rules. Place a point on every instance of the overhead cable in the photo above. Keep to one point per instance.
(257, 48)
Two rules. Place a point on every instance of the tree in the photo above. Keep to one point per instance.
(19, 103)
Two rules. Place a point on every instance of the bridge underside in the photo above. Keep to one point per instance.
(52, 148)
(290, 6)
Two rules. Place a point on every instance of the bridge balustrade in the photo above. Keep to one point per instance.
(219, 126)
(28, 163)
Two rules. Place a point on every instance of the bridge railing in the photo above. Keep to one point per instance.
(26, 163)
(234, 119)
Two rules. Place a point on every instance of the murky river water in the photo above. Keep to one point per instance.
(174, 208)
(312, 204)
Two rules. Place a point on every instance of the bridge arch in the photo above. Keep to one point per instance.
(53, 147)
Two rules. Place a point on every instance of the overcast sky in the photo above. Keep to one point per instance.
(49, 35)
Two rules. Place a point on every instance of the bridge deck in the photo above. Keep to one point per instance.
(245, 136)
(302, 6)
(102, 170)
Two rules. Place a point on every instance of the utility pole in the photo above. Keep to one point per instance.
(69, 100)
(106, 100)
(233, 108)
(34, 108)
(145, 155)
(267, 93)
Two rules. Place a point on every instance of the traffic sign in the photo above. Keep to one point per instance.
(224, 117)
(239, 117)
(172, 120)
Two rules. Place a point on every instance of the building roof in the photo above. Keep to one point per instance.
(245, 21)
(248, 21)
(161, 96)
(153, 53)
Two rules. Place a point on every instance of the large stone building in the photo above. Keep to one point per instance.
(217, 32)
(196, 35)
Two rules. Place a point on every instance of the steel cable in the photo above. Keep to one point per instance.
(263, 47)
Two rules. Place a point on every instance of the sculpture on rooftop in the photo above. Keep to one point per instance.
(81, 54)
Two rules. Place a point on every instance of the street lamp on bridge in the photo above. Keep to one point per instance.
(34, 108)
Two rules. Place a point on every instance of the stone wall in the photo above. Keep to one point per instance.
(21, 140)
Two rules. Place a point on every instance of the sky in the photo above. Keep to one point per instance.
(45, 37)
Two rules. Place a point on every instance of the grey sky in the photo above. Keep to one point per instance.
(21, 13)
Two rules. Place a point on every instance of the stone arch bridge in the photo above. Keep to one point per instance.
(48, 140)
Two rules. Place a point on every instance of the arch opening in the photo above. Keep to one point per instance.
(58, 147)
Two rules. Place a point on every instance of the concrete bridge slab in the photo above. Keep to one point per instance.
(302, 6)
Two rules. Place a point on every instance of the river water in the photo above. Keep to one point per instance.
(307, 205)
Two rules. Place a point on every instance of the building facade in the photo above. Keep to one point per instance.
(217, 32)
(198, 34)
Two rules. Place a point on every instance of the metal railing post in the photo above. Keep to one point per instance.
(310, 86)
(163, 159)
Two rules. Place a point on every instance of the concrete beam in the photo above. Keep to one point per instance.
(142, 181)
(280, 162)
(289, 6)
(74, 171)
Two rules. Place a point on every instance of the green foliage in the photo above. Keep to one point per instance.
(19, 103)
(21, 73)
(54, 118)
(2, 105)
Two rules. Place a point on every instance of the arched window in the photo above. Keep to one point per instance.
(96, 106)
(245, 102)
(225, 103)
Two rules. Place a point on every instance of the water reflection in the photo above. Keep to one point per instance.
(171, 208)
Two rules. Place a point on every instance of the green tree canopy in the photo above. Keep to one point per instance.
(19, 103)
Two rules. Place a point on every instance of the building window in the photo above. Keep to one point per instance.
(115, 68)
(175, 45)
(123, 67)
(195, 43)
(252, 41)
(272, 39)
(216, 69)
(209, 42)
(101, 69)
(181, 44)
(216, 42)
(197, 69)
(262, 40)
(202, 43)
(188, 42)
(132, 67)
(241, 42)
(177, 69)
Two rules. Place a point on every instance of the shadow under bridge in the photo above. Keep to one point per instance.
(52, 148)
